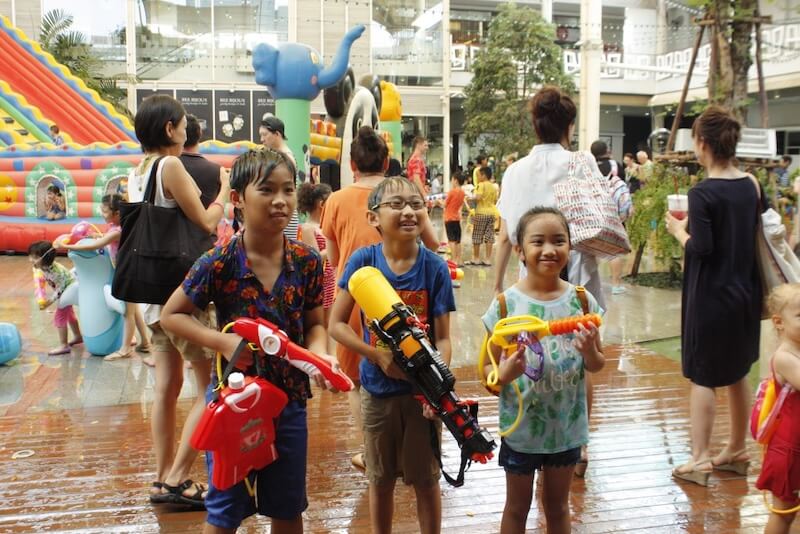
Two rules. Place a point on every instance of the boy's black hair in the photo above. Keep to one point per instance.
(534, 212)
(787, 159)
(193, 131)
(44, 250)
(481, 159)
(112, 201)
(255, 166)
(53, 188)
(487, 172)
(459, 177)
(151, 121)
(393, 183)
(309, 194)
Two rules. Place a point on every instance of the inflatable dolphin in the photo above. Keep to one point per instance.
(100, 314)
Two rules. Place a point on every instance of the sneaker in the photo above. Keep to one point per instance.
(618, 290)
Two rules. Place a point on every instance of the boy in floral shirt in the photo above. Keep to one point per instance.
(260, 274)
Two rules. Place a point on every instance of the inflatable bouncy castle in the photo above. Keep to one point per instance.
(30, 175)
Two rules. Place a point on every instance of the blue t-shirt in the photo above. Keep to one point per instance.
(426, 288)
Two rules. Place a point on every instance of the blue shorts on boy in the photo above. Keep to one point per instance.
(555, 405)
(223, 276)
(426, 288)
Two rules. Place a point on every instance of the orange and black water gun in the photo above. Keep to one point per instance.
(397, 325)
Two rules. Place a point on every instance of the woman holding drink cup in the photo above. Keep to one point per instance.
(721, 303)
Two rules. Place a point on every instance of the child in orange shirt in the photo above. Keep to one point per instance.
(453, 204)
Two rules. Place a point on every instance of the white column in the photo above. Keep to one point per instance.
(591, 49)
(293, 22)
(446, 152)
(661, 27)
(547, 10)
(130, 52)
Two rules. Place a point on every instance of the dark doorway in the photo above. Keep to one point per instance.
(637, 129)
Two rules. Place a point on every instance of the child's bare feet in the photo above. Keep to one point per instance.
(148, 361)
(63, 349)
(76, 341)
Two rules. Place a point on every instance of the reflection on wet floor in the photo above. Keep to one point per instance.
(86, 422)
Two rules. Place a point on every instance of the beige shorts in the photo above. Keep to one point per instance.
(164, 341)
(397, 440)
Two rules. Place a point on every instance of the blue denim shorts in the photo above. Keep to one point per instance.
(281, 486)
(521, 463)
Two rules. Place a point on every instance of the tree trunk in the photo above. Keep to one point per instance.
(741, 60)
(637, 260)
(730, 53)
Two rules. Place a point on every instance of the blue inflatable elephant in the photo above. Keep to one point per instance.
(294, 75)
(100, 314)
(295, 70)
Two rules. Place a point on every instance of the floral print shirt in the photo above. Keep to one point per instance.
(58, 277)
(223, 276)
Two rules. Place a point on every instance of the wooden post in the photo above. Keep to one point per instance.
(679, 112)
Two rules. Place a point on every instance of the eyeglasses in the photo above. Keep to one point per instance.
(399, 204)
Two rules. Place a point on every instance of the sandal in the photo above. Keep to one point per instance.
(175, 494)
(155, 496)
(484, 264)
(117, 355)
(690, 472)
(738, 463)
(358, 462)
(470, 262)
(143, 348)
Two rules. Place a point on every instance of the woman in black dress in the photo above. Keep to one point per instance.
(720, 322)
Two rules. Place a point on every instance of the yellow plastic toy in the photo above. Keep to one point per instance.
(506, 335)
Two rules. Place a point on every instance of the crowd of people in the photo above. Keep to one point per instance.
(296, 276)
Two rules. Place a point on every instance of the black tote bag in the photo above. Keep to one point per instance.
(157, 248)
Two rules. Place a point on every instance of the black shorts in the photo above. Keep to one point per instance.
(453, 229)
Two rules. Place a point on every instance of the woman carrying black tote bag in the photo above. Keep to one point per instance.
(165, 231)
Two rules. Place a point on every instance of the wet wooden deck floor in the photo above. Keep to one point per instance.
(92, 467)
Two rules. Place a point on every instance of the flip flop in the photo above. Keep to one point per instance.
(470, 262)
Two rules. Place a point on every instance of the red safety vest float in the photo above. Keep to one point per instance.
(238, 429)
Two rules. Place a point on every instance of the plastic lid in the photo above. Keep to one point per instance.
(236, 381)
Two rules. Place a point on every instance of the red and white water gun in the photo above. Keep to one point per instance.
(274, 341)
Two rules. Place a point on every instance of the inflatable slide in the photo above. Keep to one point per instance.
(56, 93)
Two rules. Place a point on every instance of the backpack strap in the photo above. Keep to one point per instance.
(501, 300)
(580, 291)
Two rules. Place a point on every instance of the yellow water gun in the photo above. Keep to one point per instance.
(507, 335)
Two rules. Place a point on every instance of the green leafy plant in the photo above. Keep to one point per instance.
(72, 49)
(518, 57)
